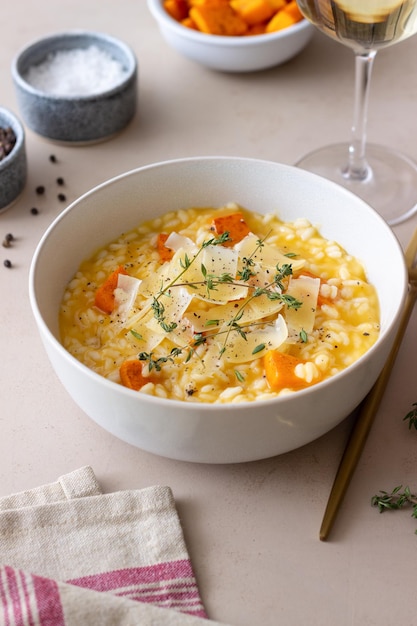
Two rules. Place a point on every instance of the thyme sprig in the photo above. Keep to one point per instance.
(399, 498)
(411, 417)
(156, 363)
(273, 291)
(290, 301)
(396, 499)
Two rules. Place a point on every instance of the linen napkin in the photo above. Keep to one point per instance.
(71, 555)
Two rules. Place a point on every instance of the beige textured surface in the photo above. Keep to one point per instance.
(252, 529)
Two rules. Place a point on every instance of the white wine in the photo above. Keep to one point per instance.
(363, 24)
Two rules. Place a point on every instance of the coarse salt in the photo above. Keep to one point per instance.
(76, 72)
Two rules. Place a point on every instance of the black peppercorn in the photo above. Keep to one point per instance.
(34, 211)
(40, 189)
(7, 141)
(52, 158)
(7, 263)
(62, 197)
(60, 181)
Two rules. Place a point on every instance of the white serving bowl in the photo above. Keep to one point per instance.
(232, 54)
(214, 433)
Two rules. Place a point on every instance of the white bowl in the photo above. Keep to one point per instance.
(206, 432)
(232, 54)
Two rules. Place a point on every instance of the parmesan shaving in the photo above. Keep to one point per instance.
(217, 261)
(177, 242)
(254, 344)
(265, 255)
(306, 290)
(125, 295)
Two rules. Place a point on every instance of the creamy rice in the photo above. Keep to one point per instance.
(345, 315)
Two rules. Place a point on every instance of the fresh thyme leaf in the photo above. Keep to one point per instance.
(157, 363)
(152, 363)
(168, 328)
(259, 348)
(245, 273)
(159, 311)
(136, 334)
(239, 376)
(291, 302)
(225, 278)
(412, 417)
(212, 323)
(303, 336)
(217, 241)
(189, 355)
(238, 315)
(199, 339)
(291, 255)
(282, 272)
(239, 330)
(273, 295)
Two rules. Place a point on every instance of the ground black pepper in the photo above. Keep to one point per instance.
(40, 189)
(62, 197)
(60, 181)
(34, 211)
(7, 263)
(52, 158)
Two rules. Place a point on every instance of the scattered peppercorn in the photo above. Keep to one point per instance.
(60, 181)
(40, 189)
(34, 211)
(7, 263)
(62, 197)
(7, 240)
(52, 158)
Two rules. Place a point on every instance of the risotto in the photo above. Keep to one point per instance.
(219, 305)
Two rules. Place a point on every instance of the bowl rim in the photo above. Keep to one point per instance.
(13, 121)
(67, 35)
(163, 18)
(200, 406)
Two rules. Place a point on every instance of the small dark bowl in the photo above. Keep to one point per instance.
(13, 167)
(76, 118)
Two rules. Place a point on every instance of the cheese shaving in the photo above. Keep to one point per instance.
(306, 290)
(243, 349)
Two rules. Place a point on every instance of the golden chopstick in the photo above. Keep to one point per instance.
(370, 405)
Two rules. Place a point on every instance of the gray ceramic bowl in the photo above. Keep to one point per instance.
(13, 167)
(76, 117)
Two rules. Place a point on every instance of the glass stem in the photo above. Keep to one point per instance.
(358, 168)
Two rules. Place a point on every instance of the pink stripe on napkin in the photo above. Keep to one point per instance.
(169, 585)
(71, 555)
(23, 608)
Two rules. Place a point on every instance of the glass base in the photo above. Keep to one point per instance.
(390, 187)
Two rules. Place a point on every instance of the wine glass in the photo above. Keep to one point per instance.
(384, 178)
